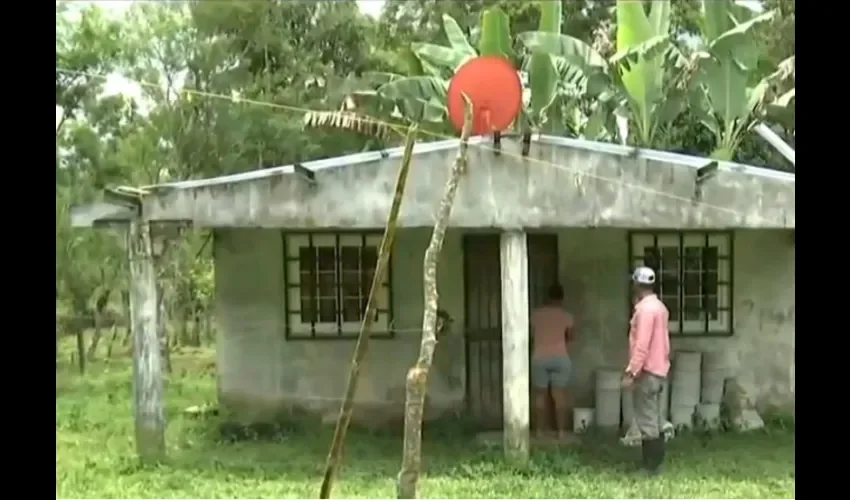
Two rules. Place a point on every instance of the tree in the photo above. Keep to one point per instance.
(87, 44)
(189, 58)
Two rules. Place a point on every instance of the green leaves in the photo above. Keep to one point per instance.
(572, 50)
(419, 98)
(725, 70)
(457, 38)
(495, 37)
(641, 41)
(542, 73)
(438, 60)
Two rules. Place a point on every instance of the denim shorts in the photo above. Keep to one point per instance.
(554, 371)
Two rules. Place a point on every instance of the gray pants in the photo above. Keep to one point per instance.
(552, 371)
(647, 400)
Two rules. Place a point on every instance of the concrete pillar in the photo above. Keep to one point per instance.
(515, 342)
(147, 357)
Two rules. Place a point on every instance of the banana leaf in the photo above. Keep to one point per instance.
(542, 73)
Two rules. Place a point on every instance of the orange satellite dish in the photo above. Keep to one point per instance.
(493, 85)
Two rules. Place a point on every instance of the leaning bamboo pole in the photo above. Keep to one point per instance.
(362, 345)
(417, 376)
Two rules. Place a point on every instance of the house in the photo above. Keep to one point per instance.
(295, 248)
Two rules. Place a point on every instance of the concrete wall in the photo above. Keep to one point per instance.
(563, 182)
(262, 373)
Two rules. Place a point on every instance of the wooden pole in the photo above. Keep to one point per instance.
(417, 377)
(147, 360)
(362, 345)
(517, 417)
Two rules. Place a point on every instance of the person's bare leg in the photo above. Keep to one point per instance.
(540, 410)
(559, 397)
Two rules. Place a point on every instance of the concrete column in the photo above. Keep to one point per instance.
(147, 357)
(515, 342)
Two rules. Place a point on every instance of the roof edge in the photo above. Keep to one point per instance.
(338, 161)
(663, 156)
(430, 147)
(94, 214)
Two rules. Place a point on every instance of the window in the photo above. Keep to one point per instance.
(693, 278)
(328, 277)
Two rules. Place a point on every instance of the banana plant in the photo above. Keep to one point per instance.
(724, 102)
(543, 75)
(378, 101)
(651, 104)
(381, 100)
(421, 96)
(442, 61)
(639, 81)
(494, 39)
(781, 99)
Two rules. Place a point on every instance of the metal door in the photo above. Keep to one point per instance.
(483, 315)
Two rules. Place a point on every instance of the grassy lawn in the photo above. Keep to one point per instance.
(95, 456)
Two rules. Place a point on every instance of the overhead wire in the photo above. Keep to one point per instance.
(374, 120)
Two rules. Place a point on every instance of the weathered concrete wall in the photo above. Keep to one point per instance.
(562, 183)
(761, 352)
(261, 372)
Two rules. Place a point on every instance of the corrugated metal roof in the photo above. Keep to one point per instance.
(430, 147)
(664, 156)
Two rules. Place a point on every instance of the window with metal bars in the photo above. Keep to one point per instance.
(693, 277)
(328, 277)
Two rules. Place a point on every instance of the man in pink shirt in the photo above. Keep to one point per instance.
(649, 362)
(552, 328)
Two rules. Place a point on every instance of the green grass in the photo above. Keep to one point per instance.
(95, 455)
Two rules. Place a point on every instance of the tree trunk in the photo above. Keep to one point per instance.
(81, 351)
(207, 326)
(362, 345)
(112, 339)
(417, 377)
(96, 336)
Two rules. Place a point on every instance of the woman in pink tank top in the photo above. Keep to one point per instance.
(551, 368)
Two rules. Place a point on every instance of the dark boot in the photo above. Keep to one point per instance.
(655, 455)
(645, 454)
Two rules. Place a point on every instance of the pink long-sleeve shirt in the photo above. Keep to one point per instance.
(649, 338)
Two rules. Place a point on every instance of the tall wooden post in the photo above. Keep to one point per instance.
(147, 359)
(515, 342)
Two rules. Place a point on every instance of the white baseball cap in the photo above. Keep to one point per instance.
(643, 275)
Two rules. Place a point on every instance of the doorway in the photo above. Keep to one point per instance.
(483, 315)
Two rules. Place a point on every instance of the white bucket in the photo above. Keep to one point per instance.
(628, 404)
(582, 419)
(608, 398)
(687, 361)
(608, 379)
(708, 415)
(682, 416)
(711, 391)
(714, 372)
(685, 392)
(714, 360)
